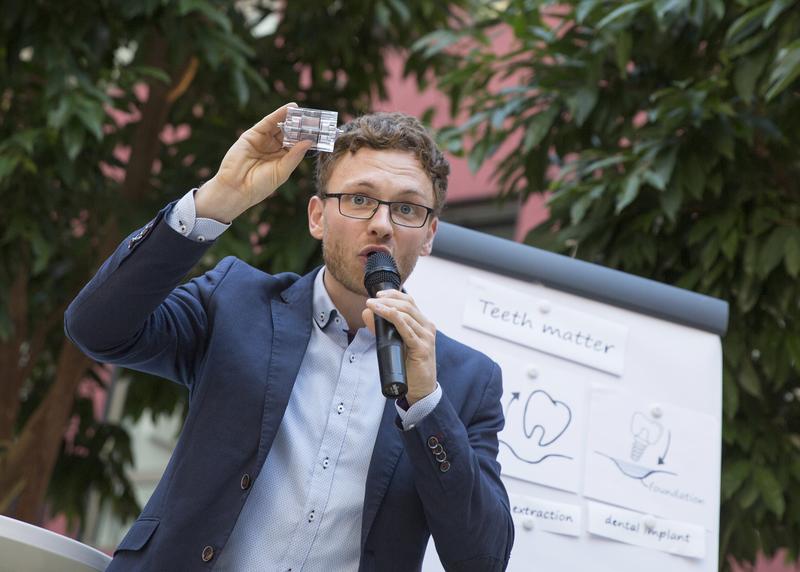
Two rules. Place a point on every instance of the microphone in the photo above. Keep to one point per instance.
(381, 274)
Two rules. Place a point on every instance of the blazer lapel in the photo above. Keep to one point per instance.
(386, 453)
(291, 331)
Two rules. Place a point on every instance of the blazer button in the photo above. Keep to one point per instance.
(444, 466)
(432, 442)
(437, 449)
(245, 482)
(208, 553)
(441, 457)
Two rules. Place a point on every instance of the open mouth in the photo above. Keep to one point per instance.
(365, 252)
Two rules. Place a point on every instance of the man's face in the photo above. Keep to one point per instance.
(385, 175)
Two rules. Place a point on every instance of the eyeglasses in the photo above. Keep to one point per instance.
(363, 207)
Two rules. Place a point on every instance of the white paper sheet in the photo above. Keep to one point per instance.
(540, 324)
(651, 457)
(532, 513)
(545, 411)
(643, 530)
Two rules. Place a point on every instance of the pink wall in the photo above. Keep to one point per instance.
(770, 565)
(404, 96)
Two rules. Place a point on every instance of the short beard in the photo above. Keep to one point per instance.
(335, 260)
(335, 264)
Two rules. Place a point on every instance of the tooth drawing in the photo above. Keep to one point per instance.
(645, 432)
(544, 420)
(550, 416)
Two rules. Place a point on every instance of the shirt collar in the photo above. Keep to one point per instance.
(322, 305)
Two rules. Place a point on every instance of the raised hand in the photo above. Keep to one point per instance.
(252, 169)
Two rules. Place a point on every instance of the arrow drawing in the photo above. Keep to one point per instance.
(514, 397)
(664, 454)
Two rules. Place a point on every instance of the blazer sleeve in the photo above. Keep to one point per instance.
(132, 312)
(464, 500)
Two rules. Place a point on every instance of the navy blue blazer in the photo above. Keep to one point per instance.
(235, 337)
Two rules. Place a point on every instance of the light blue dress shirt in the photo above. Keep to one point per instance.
(304, 509)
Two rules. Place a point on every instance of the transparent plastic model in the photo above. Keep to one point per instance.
(304, 124)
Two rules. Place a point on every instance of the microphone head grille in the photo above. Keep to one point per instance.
(381, 268)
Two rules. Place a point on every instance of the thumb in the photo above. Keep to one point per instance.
(369, 319)
(289, 162)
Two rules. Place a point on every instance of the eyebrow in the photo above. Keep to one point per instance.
(405, 192)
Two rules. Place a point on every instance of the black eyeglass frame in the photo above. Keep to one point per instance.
(338, 197)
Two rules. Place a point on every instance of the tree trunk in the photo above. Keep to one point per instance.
(27, 462)
(11, 358)
(35, 452)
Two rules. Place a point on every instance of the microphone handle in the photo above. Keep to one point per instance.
(391, 351)
(391, 359)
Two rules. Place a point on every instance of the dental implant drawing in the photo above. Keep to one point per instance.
(645, 432)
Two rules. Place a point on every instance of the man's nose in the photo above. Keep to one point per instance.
(381, 221)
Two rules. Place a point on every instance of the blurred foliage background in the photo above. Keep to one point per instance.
(109, 109)
(664, 133)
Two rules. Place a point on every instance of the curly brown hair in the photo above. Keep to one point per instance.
(389, 131)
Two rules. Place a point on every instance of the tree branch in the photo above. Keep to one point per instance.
(27, 467)
(11, 381)
(31, 458)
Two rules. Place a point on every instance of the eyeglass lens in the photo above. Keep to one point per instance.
(361, 206)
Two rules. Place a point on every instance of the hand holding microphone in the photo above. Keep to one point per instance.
(405, 338)
(381, 274)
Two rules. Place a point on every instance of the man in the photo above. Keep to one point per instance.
(290, 457)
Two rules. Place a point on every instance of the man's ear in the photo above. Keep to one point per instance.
(427, 246)
(316, 208)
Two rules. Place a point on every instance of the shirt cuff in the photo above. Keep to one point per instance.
(182, 219)
(419, 410)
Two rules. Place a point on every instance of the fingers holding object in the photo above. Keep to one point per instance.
(404, 303)
(369, 319)
(267, 136)
(410, 329)
(289, 162)
(268, 126)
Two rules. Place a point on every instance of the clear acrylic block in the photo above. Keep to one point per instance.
(304, 124)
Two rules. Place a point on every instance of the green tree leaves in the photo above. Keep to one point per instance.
(93, 95)
(785, 70)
